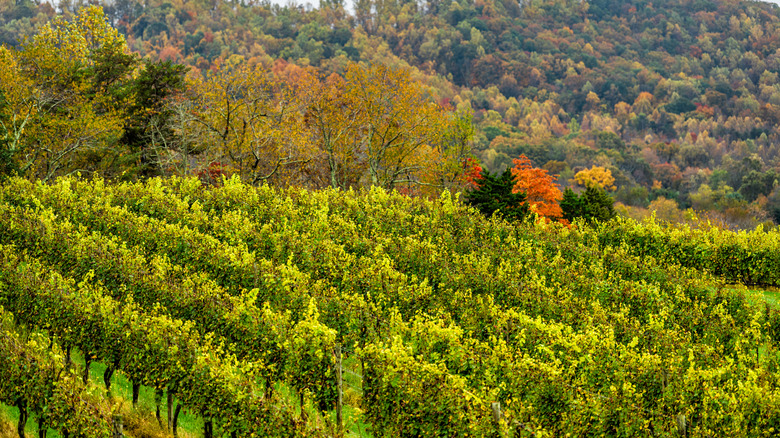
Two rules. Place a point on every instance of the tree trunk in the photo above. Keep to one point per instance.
(176, 420)
(136, 390)
(303, 413)
(157, 401)
(107, 375)
(22, 405)
(268, 389)
(208, 429)
(87, 364)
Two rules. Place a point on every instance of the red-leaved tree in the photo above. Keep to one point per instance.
(539, 187)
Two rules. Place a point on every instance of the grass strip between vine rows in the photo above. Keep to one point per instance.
(37, 382)
(625, 335)
(266, 338)
(153, 350)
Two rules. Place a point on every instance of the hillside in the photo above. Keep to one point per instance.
(245, 305)
(677, 98)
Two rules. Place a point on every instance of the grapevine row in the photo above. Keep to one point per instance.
(259, 335)
(745, 257)
(36, 381)
(628, 334)
(448, 269)
(153, 350)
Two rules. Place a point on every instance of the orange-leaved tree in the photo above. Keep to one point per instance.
(472, 172)
(539, 186)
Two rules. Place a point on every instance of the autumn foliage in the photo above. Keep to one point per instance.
(539, 186)
(597, 177)
(472, 172)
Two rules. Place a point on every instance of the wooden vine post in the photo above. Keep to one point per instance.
(170, 410)
(118, 426)
(498, 419)
(339, 392)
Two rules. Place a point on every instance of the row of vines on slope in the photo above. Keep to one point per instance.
(152, 350)
(37, 382)
(567, 335)
(265, 338)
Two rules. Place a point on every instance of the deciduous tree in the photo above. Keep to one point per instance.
(400, 128)
(250, 123)
(333, 117)
(539, 187)
(597, 177)
(75, 73)
(18, 108)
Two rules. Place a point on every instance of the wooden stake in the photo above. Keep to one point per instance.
(496, 407)
(118, 427)
(170, 410)
(340, 392)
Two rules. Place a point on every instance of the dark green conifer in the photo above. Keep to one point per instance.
(494, 195)
(593, 205)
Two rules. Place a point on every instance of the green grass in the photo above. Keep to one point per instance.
(758, 295)
(354, 425)
(31, 429)
(189, 424)
(768, 295)
(772, 296)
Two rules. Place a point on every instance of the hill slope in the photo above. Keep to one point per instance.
(678, 98)
(442, 317)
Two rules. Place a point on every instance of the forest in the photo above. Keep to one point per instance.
(676, 99)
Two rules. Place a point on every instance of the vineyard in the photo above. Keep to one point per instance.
(287, 312)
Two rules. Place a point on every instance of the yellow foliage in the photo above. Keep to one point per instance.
(597, 176)
(398, 121)
(249, 123)
(287, 124)
(59, 115)
(20, 104)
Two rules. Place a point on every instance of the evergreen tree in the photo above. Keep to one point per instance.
(149, 115)
(593, 205)
(597, 205)
(494, 194)
(571, 205)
